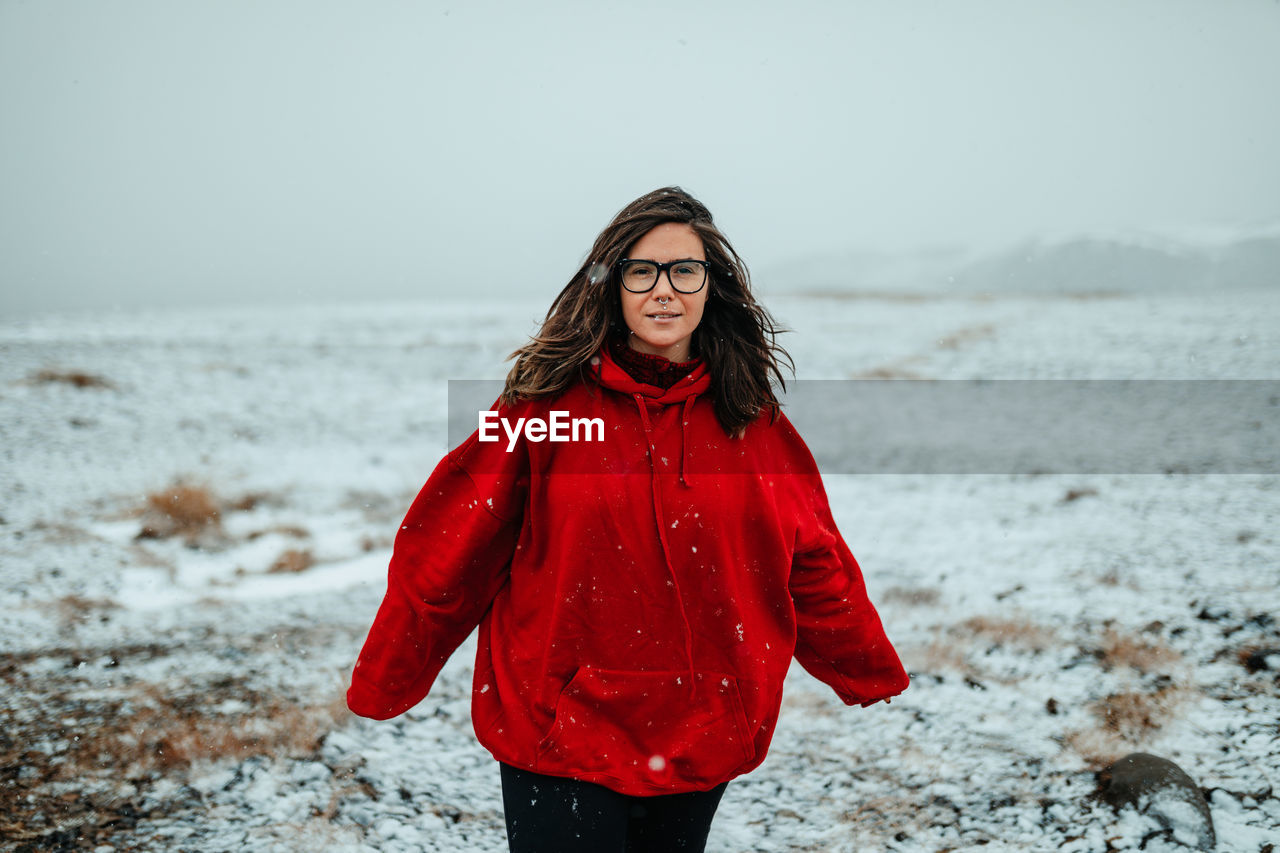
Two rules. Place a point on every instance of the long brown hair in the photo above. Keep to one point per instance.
(736, 336)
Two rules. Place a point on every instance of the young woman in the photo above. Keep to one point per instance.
(642, 585)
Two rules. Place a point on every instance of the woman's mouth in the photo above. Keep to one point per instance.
(663, 317)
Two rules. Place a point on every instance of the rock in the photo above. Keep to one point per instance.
(1160, 789)
(1257, 660)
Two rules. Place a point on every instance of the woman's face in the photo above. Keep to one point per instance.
(662, 320)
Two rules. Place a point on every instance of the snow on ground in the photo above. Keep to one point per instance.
(177, 693)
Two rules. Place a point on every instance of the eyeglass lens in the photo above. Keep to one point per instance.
(685, 276)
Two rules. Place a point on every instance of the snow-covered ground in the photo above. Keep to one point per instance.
(173, 693)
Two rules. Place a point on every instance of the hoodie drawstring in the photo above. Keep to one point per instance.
(662, 533)
(684, 441)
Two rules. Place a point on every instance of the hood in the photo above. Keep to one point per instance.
(608, 373)
(611, 375)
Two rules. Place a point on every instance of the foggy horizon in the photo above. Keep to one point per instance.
(157, 155)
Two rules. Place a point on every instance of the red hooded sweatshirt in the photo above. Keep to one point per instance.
(639, 597)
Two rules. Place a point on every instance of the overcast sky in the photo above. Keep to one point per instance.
(190, 152)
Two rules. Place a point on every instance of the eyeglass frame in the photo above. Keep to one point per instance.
(706, 274)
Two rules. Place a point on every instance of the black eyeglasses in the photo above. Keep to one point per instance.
(641, 276)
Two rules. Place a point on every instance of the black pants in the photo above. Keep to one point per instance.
(549, 814)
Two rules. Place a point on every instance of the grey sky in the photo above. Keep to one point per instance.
(171, 153)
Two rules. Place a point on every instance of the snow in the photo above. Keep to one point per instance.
(1046, 633)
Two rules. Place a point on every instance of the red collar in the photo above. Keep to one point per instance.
(647, 368)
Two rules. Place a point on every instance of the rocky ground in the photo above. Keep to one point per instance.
(198, 514)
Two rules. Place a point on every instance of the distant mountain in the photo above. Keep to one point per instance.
(1077, 264)
(1094, 264)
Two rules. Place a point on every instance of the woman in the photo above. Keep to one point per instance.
(641, 588)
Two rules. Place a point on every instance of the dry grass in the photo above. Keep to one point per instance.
(1131, 714)
(911, 595)
(901, 815)
(74, 610)
(160, 732)
(74, 378)
(370, 543)
(63, 534)
(1018, 633)
(958, 648)
(1098, 748)
(194, 512)
(1126, 721)
(283, 529)
(292, 561)
(250, 501)
(1127, 650)
(140, 556)
(245, 503)
(181, 509)
(941, 655)
(90, 747)
(164, 737)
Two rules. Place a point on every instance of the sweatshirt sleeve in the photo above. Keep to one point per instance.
(451, 556)
(839, 637)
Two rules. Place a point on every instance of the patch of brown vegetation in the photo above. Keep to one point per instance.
(252, 500)
(1111, 578)
(62, 533)
(937, 656)
(370, 543)
(74, 378)
(72, 778)
(1126, 722)
(164, 734)
(180, 509)
(1097, 747)
(911, 595)
(1019, 633)
(78, 609)
(1119, 649)
(141, 556)
(1130, 714)
(293, 560)
(283, 529)
(901, 815)
(1077, 494)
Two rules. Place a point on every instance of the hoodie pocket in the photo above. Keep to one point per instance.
(645, 727)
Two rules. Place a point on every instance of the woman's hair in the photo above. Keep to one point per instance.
(736, 336)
